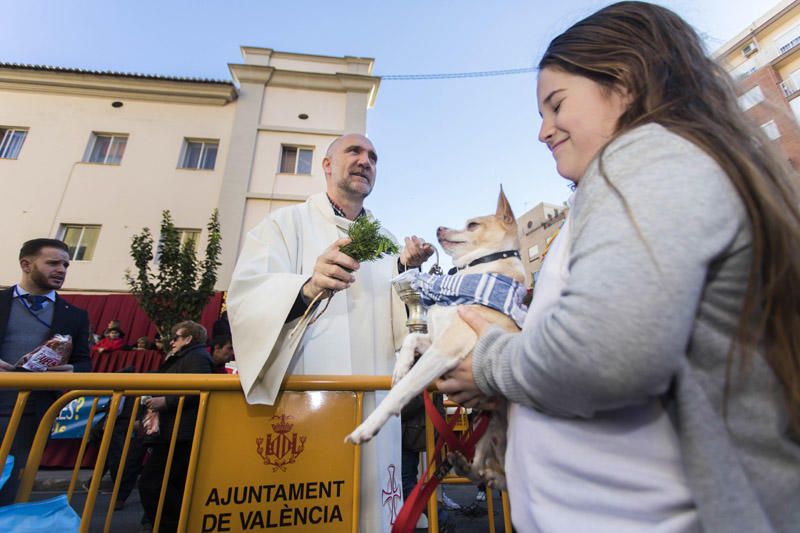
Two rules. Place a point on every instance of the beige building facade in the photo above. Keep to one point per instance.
(93, 157)
(764, 59)
(536, 229)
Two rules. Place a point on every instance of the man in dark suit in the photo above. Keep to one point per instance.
(31, 313)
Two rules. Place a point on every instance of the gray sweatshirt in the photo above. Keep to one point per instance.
(651, 313)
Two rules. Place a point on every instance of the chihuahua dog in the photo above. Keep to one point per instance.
(487, 244)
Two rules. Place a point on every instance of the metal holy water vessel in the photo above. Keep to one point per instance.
(417, 321)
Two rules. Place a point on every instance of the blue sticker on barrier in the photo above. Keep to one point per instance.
(71, 421)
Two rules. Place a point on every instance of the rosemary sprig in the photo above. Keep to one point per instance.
(368, 244)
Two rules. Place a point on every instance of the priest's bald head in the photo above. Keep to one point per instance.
(350, 165)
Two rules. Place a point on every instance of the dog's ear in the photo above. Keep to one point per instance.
(504, 212)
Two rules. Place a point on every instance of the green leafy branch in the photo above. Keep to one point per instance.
(368, 243)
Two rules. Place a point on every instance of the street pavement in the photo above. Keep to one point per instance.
(51, 483)
(472, 516)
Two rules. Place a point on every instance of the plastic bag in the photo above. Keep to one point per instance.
(54, 352)
(54, 514)
(151, 426)
(7, 469)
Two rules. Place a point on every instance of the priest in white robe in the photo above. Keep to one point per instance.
(293, 256)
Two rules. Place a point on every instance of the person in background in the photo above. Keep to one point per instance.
(112, 340)
(656, 382)
(221, 326)
(221, 352)
(31, 312)
(189, 355)
(158, 344)
(93, 337)
(142, 343)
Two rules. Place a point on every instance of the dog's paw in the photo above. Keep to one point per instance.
(360, 435)
(369, 427)
(413, 344)
(460, 464)
(399, 373)
(493, 478)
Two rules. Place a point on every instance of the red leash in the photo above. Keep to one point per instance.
(419, 497)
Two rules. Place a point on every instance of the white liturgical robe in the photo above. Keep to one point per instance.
(357, 334)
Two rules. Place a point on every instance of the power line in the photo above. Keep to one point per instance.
(452, 75)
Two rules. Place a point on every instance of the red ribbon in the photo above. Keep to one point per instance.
(465, 444)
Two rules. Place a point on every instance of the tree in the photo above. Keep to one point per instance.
(182, 285)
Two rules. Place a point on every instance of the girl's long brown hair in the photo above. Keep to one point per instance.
(659, 59)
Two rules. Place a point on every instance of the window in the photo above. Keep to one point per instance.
(11, 140)
(106, 149)
(199, 154)
(185, 235)
(771, 130)
(751, 98)
(81, 241)
(533, 252)
(189, 235)
(295, 160)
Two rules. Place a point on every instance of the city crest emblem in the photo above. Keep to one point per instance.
(281, 448)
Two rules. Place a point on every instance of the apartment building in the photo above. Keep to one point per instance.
(537, 227)
(92, 157)
(764, 59)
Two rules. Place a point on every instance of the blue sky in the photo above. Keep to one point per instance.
(445, 145)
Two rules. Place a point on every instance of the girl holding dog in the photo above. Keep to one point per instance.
(656, 383)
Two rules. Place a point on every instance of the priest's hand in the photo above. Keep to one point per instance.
(416, 252)
(332, 272)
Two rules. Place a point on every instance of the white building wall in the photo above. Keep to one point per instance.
(49, 185)
(325, 109)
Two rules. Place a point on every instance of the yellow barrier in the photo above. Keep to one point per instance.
(462, 424)
(223, 393)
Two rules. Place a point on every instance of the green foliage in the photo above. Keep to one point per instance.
(181, 286)
(368, 242)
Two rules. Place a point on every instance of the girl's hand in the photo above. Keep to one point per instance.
(459, 384)
(474, 320)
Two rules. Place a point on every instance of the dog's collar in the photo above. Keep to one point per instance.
(486, 259)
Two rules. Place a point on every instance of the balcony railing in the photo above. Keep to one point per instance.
(789, 46)
(789, 87)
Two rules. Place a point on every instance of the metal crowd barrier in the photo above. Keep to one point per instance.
(462, 425)
(116, 385)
